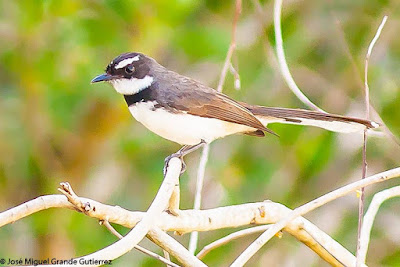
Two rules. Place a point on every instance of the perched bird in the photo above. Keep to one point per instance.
(190, 113)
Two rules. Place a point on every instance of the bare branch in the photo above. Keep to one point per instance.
(282, 61)
(139, 248)
(236, 76)
(384, 128)
(102, 211)
(127, 243)
(369, 52)
(232, 46)
(160, 203)
(365, 166)
(229, 238)
(111, 229)
(174, 248)
(40, 203)
(194, 236)
(66, 190)
(266, 236)
(369, 217)
(370, 47)
(166, 255)
(232, 216)
(361, 192)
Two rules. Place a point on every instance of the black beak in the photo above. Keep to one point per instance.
(102, 78)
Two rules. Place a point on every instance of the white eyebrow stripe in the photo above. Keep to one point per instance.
(126, 62)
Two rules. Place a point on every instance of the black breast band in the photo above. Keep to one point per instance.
(143, 96)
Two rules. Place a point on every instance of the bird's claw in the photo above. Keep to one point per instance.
(167, 159)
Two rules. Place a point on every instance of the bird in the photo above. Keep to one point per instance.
(190, 113)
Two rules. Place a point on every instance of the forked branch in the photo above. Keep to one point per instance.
(206, 220)
(266, 236)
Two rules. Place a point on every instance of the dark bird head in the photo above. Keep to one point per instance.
(128, 73)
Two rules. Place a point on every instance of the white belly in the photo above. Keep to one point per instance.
(184, 129)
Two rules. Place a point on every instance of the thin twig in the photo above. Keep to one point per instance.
(236, 76)
(194, 236)
(111, 229)
(229, 238)
(166, 256)
(66, 189)
(232, 46)
(370, 47)
(369, 217)
(174, 248)
(367, 111)
(282, 61)
(266, 236)
(361, 192)
(385, 130)
(137, 247)
(204, 157)
(369, 52)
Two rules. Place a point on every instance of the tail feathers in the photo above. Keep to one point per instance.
(327, 121)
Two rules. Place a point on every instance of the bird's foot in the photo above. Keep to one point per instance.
(186, 149)
(175, 155)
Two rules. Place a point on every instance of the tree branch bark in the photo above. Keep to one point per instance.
(266, 236)
(266, 212)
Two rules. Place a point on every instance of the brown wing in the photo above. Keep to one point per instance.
(200, 100)
(219, 106)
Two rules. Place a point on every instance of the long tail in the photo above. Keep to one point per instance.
(327, 121)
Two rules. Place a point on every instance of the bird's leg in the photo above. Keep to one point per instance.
(186, 149)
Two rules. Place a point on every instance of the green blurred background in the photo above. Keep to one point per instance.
(55, 126)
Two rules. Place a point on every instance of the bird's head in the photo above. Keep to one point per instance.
(128, 73)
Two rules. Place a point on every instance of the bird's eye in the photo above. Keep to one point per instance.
(129, 69)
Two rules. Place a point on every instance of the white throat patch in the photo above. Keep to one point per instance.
(131, 86)
(126, 62)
